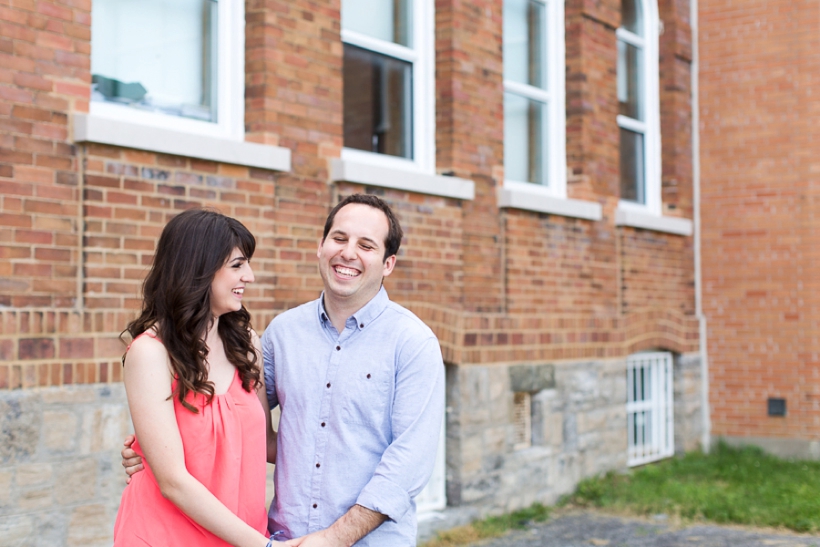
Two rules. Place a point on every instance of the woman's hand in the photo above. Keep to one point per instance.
(130, 459)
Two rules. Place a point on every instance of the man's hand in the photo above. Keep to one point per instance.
(350, 528)
(130, 460)
(316, 539)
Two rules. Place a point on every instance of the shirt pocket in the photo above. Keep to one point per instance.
(365, 398)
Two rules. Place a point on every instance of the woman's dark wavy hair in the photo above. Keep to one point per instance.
(193, 246)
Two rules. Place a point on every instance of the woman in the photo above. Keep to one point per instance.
(196, 395)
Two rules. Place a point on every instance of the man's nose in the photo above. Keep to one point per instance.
(349, 251)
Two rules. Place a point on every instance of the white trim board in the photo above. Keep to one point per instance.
(90, 128)
(400, 179)
(669, 225)
(514, 196)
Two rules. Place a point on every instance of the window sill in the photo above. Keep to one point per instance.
(669, 225)
(401, 179)
(517, 196)
(90, 128)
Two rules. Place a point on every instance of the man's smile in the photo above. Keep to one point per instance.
(344, 271)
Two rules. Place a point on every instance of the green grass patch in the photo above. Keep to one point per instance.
(729, 485)
(490, 527)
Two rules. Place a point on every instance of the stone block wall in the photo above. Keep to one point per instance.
(579, 428)
(60, 472)
(688, 397)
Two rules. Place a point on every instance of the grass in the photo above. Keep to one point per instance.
(490, 527)
(729, 485)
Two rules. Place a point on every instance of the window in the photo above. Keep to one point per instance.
(638, 106)
(176, 64)
(534, 109)
(649, 407)
(522, 420)
(388, 82)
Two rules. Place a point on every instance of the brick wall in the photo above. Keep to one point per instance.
(79, 221)
(760, 214)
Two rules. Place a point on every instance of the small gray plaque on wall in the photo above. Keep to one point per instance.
(532, 378)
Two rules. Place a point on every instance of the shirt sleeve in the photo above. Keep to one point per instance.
(416, 419)
(268, 360)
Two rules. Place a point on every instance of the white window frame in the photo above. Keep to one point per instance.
(555, 99)
(230, 122)
(422, 57)
(650, 128)
(434, 495)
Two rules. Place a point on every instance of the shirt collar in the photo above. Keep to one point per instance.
(364, 316)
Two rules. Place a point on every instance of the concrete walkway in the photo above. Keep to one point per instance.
(577, 528)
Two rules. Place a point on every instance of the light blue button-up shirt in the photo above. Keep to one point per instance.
(361, 414)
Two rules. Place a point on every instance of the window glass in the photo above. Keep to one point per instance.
(630, 81)
(632, 166)
(524, 42)
(632, 16)
(158, 55)
(377, 103)
(525, 156)
(388, 20)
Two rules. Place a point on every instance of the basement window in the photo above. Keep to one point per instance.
(522, 420)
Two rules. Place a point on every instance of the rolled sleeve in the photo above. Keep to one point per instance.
(416, 419)
(385, 497)
(268, 361)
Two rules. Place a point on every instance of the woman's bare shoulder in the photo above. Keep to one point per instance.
(146, 347)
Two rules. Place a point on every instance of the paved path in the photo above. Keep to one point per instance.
(578, 528)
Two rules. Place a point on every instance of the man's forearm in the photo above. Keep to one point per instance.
(354, 525)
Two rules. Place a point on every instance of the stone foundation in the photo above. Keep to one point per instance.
(61, 479)
(578, 429)
(60, 473)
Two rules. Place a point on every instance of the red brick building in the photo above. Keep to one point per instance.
(538, 153)
(759, 70)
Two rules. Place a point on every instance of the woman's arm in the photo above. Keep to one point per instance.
(147, 381)
(270, 434)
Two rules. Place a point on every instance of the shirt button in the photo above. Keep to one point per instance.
(361, 325)
(318, 465)
(328, 384)
(368, 376)
(315, 506)
(323, 424)
(338, 348)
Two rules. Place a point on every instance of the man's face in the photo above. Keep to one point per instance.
(351, 257)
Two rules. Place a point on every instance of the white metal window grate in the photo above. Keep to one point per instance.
(649, 412)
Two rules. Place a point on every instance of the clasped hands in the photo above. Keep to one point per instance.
(132, 463)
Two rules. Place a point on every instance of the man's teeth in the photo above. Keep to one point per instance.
(346, 271)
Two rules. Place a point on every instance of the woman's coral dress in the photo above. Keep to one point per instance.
(225, 449)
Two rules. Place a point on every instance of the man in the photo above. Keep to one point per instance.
(360, 384)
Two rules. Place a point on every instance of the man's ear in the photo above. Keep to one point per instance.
(389, 264)
(319, 248)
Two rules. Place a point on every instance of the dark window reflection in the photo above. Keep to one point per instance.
(630, 81)
(377, 103)
(631, 16)
(632, 166)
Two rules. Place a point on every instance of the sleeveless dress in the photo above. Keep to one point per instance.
(225, 449)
